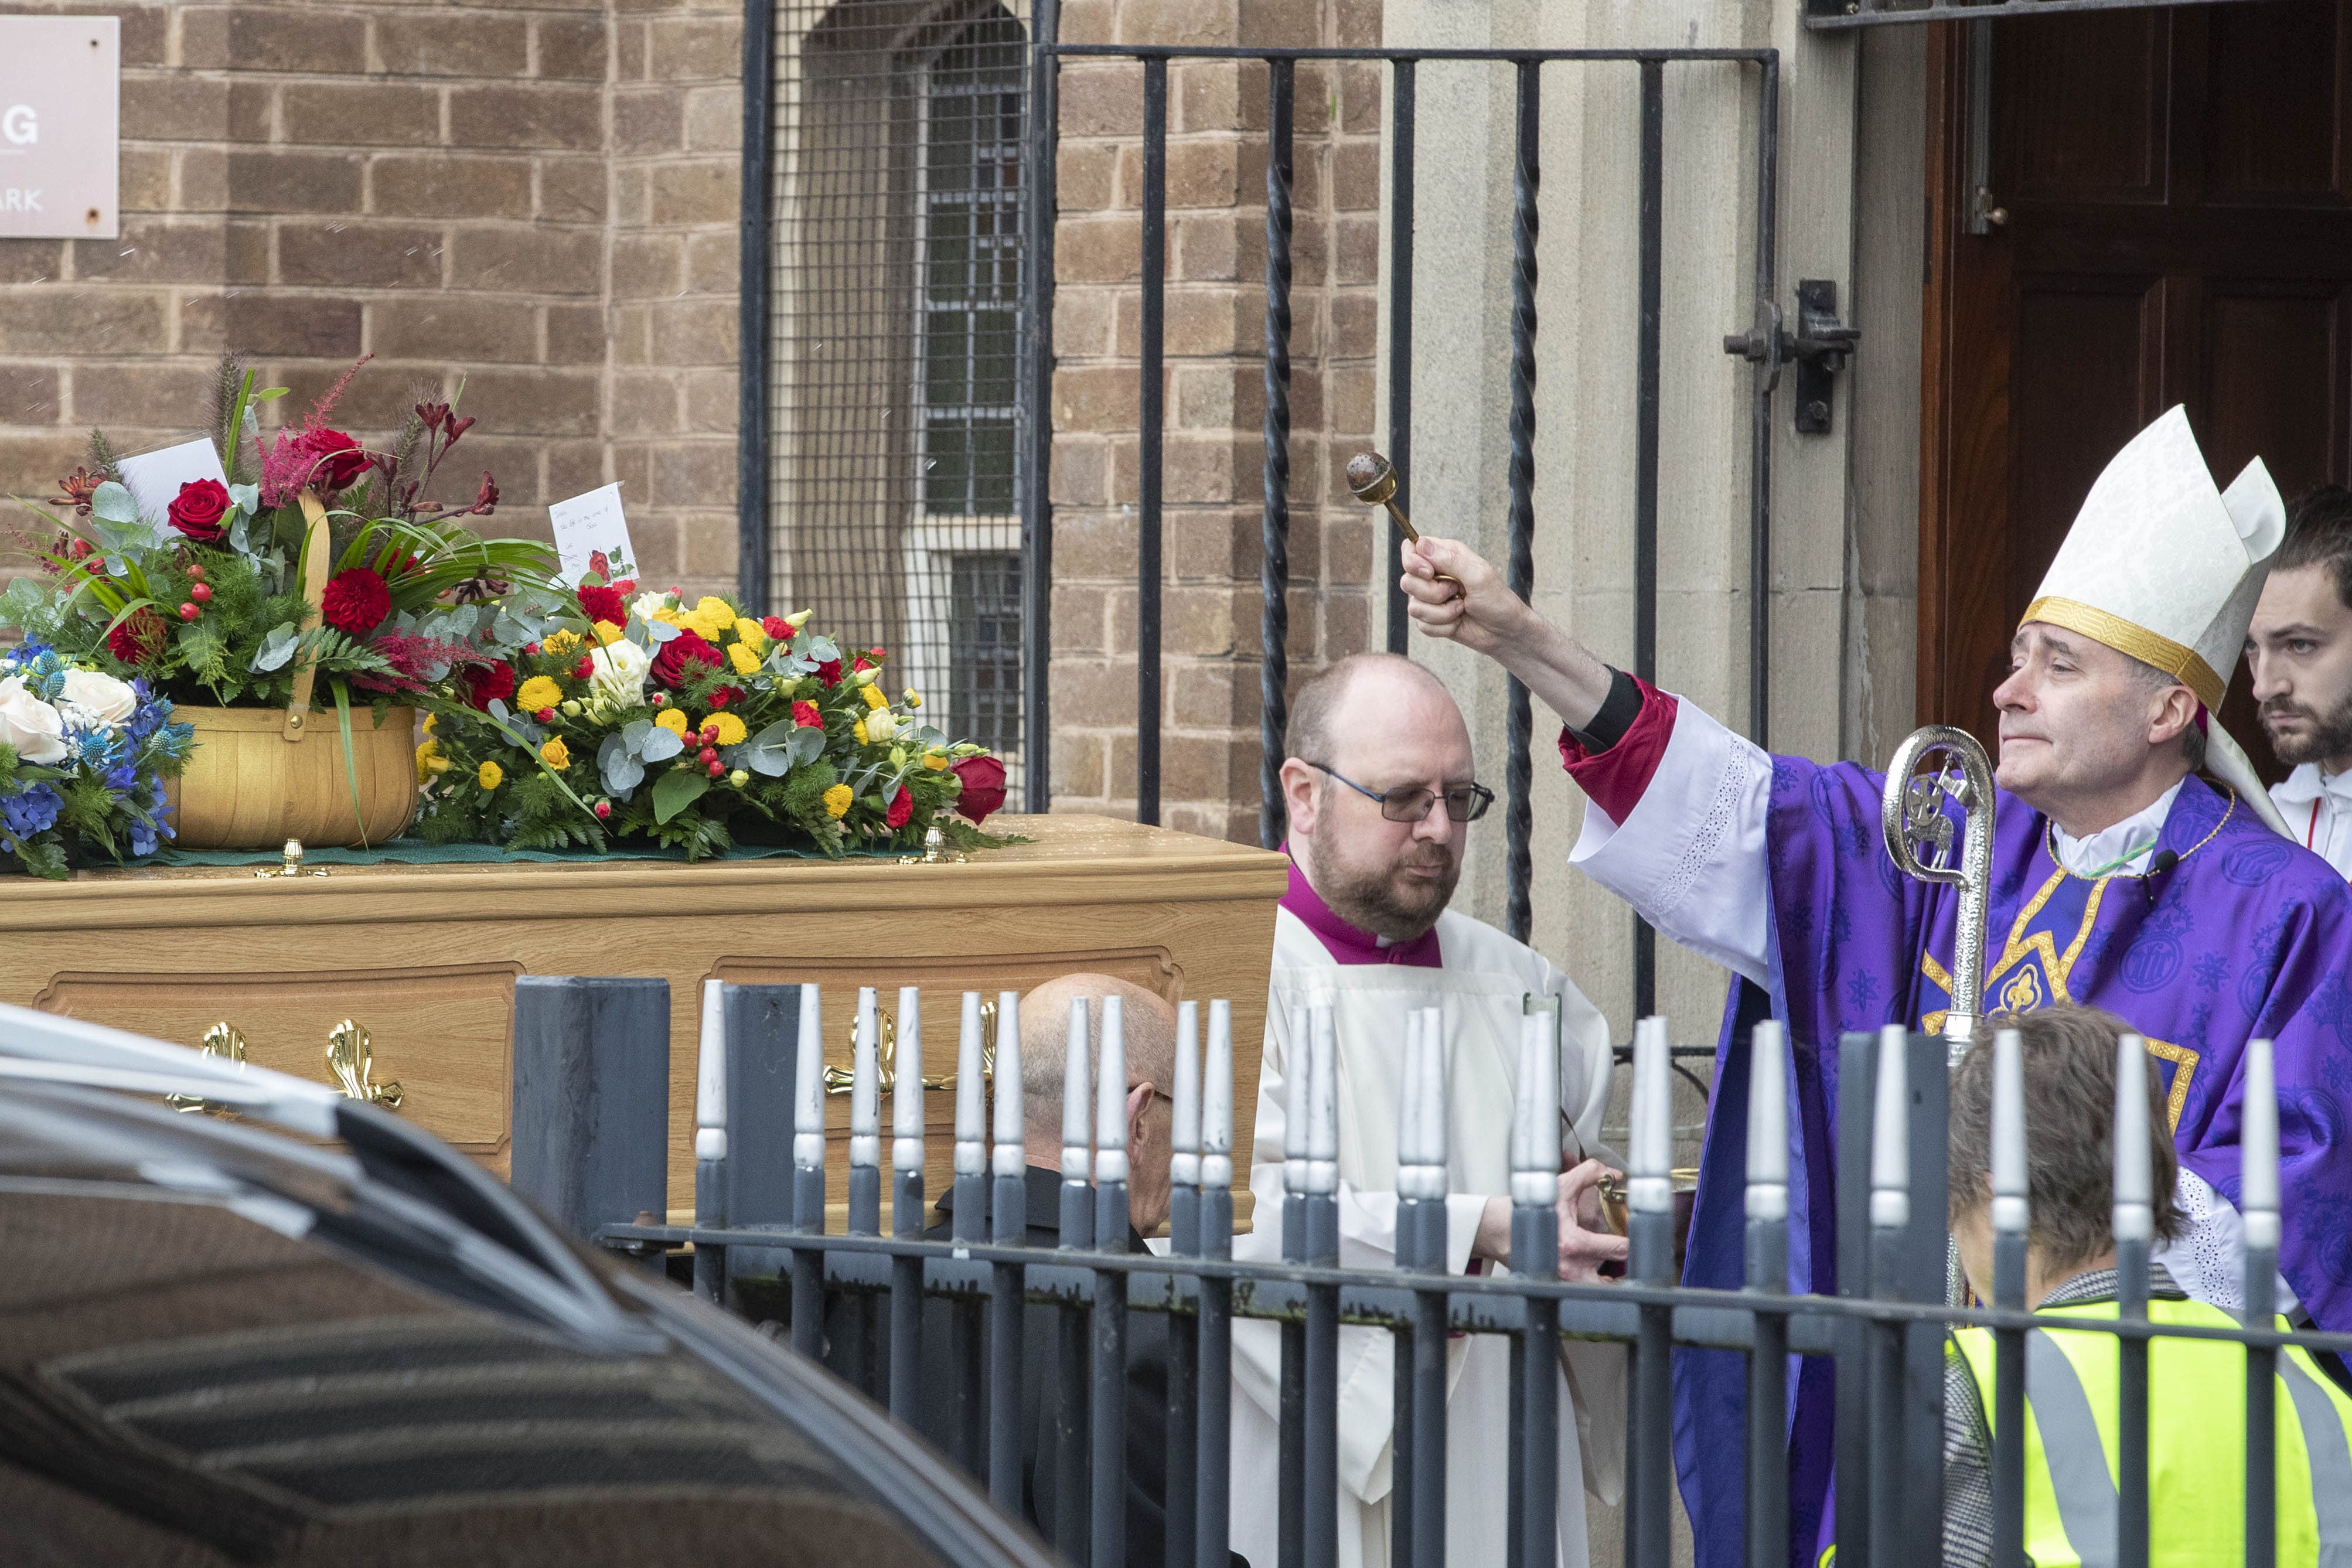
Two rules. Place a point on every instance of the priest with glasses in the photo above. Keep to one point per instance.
(1381, 795)
(2121, 879)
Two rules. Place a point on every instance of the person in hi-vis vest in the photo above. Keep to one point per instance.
(2197, 1388)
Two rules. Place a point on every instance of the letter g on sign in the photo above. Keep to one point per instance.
(17, 125)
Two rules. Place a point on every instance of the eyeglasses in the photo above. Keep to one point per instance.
(1464, 803)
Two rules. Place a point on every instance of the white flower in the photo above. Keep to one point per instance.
(34, 728)
(881, 725)
(644, 605)
(94, 701)
(619, 675)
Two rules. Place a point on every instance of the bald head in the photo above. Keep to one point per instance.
(1364, 694)
(1147, 1025)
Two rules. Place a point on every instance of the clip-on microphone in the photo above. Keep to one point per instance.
(2162, 861)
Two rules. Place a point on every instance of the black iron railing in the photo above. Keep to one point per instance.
(1891, 1259)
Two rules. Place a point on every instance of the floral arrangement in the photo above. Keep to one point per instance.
(208, 607)
(83, 756)
(695, 727)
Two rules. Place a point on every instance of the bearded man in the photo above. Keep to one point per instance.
(2300, 651)
(1380, 794)
(2120, 881)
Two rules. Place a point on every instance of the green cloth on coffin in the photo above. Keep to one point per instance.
(416, 852)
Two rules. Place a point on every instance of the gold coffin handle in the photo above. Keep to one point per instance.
(222, 1043)
(839, 1079)
(350, 1059)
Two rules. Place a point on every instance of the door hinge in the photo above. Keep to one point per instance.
(1818, 346)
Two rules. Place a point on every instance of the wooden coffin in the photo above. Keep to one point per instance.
(424, 959)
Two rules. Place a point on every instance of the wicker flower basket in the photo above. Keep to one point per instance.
(248, 787)
(259, 776)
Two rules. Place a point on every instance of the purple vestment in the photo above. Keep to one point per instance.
(2247, 936)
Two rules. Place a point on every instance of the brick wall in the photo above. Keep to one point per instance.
(542, 198)
(536, 196)
(1215, 393)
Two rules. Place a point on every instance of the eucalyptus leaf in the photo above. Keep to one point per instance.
(807, 746)
(633, 733)
(676, 790)
(238, 540)
(659, 632)
(620, 771)
(498, 710)
(277, 647)
(659, 745)
(114, 503)
(818, 649)
(248, 498)
(769, 753)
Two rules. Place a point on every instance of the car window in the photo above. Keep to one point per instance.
(184, 1383)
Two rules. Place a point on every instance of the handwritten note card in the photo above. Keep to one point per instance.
(155, 479)
(588, 523)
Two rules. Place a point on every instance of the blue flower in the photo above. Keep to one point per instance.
(143, 837)
(30, 811)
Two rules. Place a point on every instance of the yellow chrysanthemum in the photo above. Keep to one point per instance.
(489, 775)
(732, 728)
(859, 730)
(873, 697)
(673, 719)
(429, 719)
(555, 754)
(741, 655)
(714, 608)
(914, 698)
(608, 634)
(561, 640)
(837, 801)
(754, 634)
(429, 761)
(539, 691)
(935, 759)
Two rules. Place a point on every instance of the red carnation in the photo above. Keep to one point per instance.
(778, 628)
(487, 683)
(902, 806)
(139, 638)
(829, 672)
(356, 601)
(861, 663)
(332, 459)
(626, 586)
(687, 648)
(722, 696)
(198, 508)
(983, 786)
(806, 716)
(603, 605)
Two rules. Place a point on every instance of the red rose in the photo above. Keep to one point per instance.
(356, 601)
(806, 716)
(778, 628)
(603, 605)
(139, 638)
(198, 508)
(626, 586)
(720, 696)
(672, 664)
(829, 672)
(983, 786)
(334, 461)
(486, 683)
(902, 806)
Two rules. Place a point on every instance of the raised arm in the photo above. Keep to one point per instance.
(1484, 616)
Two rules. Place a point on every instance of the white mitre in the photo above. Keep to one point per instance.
(2162, 566)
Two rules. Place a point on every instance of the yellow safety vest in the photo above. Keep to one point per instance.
(2196, 1445)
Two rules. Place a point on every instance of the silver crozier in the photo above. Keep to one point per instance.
(1919, 837)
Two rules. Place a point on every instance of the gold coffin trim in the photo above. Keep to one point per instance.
(2183, 664)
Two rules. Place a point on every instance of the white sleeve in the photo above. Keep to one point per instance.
(2207, 1258)
(1690, 858)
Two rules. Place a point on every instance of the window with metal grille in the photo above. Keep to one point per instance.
(895, 280)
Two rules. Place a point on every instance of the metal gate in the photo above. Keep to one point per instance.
(1765, 344)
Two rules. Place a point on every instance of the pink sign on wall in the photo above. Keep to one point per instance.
(59, 103)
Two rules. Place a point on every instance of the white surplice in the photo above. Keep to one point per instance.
(1482, 991)
(2318, 810)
